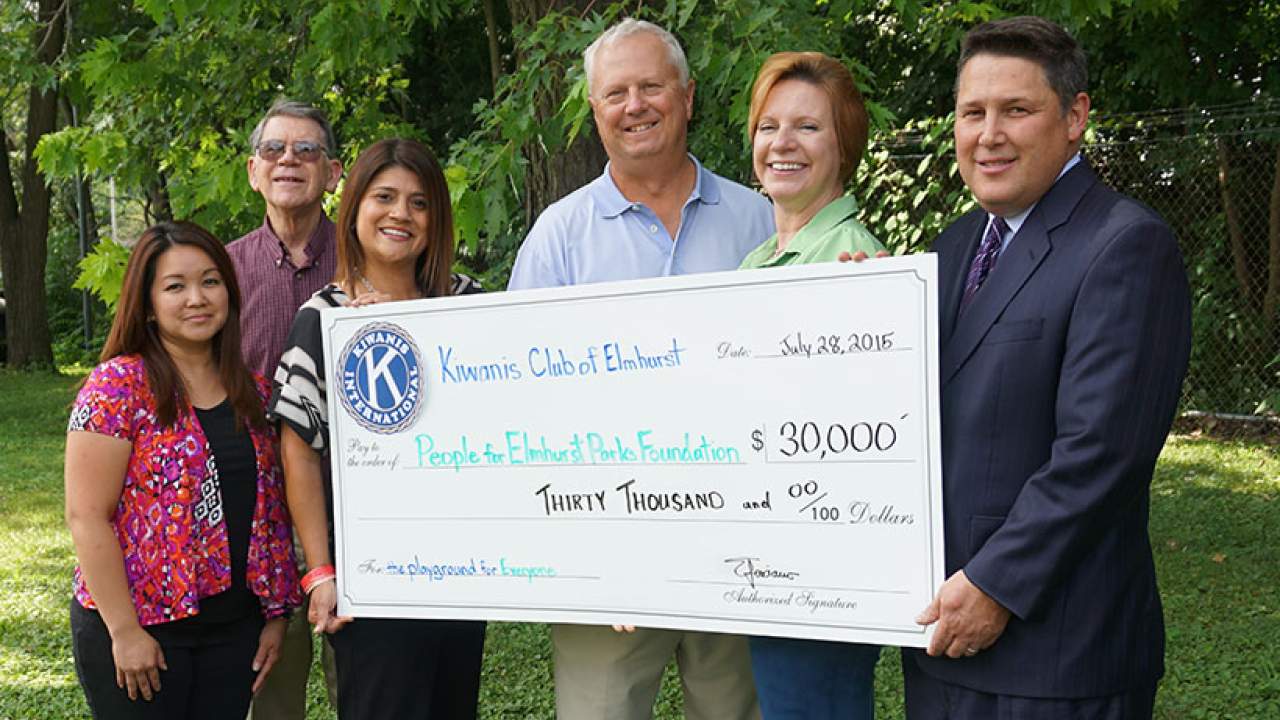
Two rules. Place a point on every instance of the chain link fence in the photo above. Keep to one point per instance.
(1212, 173)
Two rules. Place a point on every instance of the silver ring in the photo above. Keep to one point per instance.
(971, 652)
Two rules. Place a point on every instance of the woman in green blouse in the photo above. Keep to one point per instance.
(808, 132)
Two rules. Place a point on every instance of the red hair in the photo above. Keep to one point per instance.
(848, 110)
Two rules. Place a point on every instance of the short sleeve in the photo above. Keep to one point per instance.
(107, 402)
(464, 285)
(298, 392)
(533, 267)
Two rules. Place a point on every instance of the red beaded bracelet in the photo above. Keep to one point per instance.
(317, 576)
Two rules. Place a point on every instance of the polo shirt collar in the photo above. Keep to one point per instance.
(835, 212)
(610, 202)
(830, 216)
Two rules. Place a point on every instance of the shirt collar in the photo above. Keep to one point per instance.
(610, 201)
(1015, 221)
(835, 212)
(827, 219)
(315, 244)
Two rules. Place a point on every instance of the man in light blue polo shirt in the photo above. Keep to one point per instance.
(655, 211)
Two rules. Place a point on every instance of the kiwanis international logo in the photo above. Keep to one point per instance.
(381, 370)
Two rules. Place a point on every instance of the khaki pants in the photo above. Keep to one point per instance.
(604, 675)
(284, 695)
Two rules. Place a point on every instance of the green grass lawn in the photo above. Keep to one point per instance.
(1215, 527)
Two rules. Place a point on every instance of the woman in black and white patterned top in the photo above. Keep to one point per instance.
(395, 242)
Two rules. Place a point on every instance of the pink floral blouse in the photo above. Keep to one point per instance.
(169, 520)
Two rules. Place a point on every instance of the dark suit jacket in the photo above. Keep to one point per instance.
(1059, 384)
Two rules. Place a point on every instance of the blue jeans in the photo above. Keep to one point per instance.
(814, 679)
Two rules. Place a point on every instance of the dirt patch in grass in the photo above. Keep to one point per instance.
(1253, 428)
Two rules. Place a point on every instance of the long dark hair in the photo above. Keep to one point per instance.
(133, 333)
(433, 267)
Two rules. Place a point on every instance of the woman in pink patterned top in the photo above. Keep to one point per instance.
(175, 497)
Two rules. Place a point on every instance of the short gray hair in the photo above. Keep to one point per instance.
(293, 108)
(628, 27)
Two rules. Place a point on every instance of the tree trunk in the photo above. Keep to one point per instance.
(24, 229)
(1271, 301)
(551, 176)
(495, 58)
(91, 214)
(1235, 231)
(156, 206)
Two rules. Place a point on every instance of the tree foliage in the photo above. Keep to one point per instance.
(175, 89)
(168, 91)
(176, 95)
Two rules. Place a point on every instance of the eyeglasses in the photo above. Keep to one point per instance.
(303, 150)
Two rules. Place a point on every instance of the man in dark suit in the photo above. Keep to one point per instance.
(1065, 331)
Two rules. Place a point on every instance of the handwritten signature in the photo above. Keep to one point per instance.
(751, 569)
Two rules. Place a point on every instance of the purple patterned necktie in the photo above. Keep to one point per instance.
(985, 261)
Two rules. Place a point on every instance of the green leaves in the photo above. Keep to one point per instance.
(468, 209)
(576, 107)
(57, 153)
(102, 271)
(908, 186)
(170, 90)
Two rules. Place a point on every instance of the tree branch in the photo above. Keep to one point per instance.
(53, 29)
(1235, 231)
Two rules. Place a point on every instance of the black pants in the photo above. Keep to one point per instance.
(210, 673)
(929, 698)
(408, 669)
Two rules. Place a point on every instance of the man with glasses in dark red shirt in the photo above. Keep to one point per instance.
(293, 163)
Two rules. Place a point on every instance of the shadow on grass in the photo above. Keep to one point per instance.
(1180, 443)
(1214, 531)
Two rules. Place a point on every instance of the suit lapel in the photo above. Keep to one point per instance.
(1015, 267)
(954, 266)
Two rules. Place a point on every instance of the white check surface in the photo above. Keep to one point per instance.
(753, 452)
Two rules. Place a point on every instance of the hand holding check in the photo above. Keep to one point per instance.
(969, 621)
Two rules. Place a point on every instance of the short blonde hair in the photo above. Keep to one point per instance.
(847, 107)
(626, 28)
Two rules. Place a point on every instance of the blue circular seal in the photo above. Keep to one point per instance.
(380, 378)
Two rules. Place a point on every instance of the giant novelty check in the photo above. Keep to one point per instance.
(752, 452)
